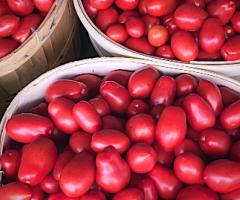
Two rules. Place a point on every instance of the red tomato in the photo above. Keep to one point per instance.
(38, 159)
(100, 106)
(27, 127)
(78, 175)
(60, 111)
(141, 158)
(222, 9)
(50, 185)
(43, 5)
(160, 7)
(117, 33)
(205, 56)
(90, 10)
(93, 195)
(149, 189)
(184, 46)
(235, 22)
(4, 9)
(197, 192)
(211, 41)
(157, 35)
(21, 7)
(188, 146)
(28, 25)
(80, 141)
(222, 176)
(231, 49)
(163, 157)
(141, 128)
(37, 193)
(137, 106)
(62, 160)
(228, 95)
(60, 196)
(235, 151)
(101, 4)
(87, 117)
(135, 27)
(165, 51)
(230, 117)
(231, 195)
(142, 81)
(106, 17)
(166, 182)
(111, 122)
(142, 7)
(116, 96)
(109, 137)
(199, 113)
(8, 25)
(129, 193)
(70, 89)
(14, 191)
(164, 91)
(10, 161)
(229, 31)
(171, 128)
(125, 15)
(119, 76)
(170, 24)
(189, 168)
(186, 84)
(150, 21)
(198, 3)
(189, 17)
(127, 4)
(112, 173)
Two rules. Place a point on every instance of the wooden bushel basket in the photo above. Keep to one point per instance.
(55, 42)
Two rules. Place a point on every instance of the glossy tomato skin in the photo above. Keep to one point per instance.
(141, 158)
(119, 76)
(7, 46)
(116, 95)
(70, 89)
(21, 7)
(112, 122)
(185, 84)
(230, 50)
(90, 10)
(109, 137)
(101, 4)
(149, 189)
(87, 117)
(230, 116)
(141, 128)
(15, 190)
(165, 51)
(100, 105)
(106, 17)
(127, 4)
(189, 168)
(135, 27)
(160, 8)
(169, 23)
(129, 193)
(142, 81)
(228, 95)
(137, 106)
(73, 182)
(217, 173)
(163, 157)
(199, 113)
(80, 141)
(112, 171)
(235, 195)
(171, 127)
(117, 33)
(157, 35)
(189, 17)
(127, 14)
(60, 111)
(235, 22)
(43, 5)
(34, 166)
(197, 193)
(26, 127)
(60, 196)
(188, 146)
(168, 185)
(184, 46)
(8, 25)
(150, 21)
(93, 195)
(50, 185)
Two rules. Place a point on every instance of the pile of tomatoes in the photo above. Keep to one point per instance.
(126, 136)
(186, 30)
(18, 19)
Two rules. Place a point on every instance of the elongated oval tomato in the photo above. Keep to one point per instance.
(43, 5)
(160, 7)
(140, 45)
(165, 51)
(50, 185)
(110, 137)
(87, 117)
(231, 49)
(199, 113)
(171, 127)
(222, 176)
(93, 195)
(135, 27)
(129, 193)
(7, 46)
(38, 159)
(73, 181)
(80, 141)
(8, 25)
(119, 76)
(100, 105)
(21, 7)
(70, 89)
(106, 17)
(60, 196)
(101, 5)
(142, 81)
(149, 189)
(26, 127)
(90, 10)
(185, 84)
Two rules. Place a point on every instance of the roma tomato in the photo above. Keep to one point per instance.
(189, 17)
(157, 35)
(184, 46)
(126, 4)
(109, 137)
(8, 25)
(160, 8)
(21, 7)
(43, 5)
(101, 4)
(222, 176)
(101, 106)
(163, 157)
(117, 33)
(106, 17)
(26, 127)
(112, 173)
(60, 111)
(235, 151)
(141, 128)
(149, 189)
(165, 51)
(87, 117)
(90, 10)
(141, 82)
(7, 46)
(38, 159)
(188, 146)
(137, 106)
(189, 168)
(112, 122)
(78, 175)
(185, 84)
(50, 185)
(80, 141)
(122, 19)
(116, 96)
(129, 193)
(70, 89)
(135, 27)
(168, 185)
(235, 22)
(119, 76)
(93, 195)
(150, 21)
(141, 158)
(171, 127)
(199, 113)
(228, 95)
(60, 196)
(231, 195)
(142, 7)
(231, 49)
